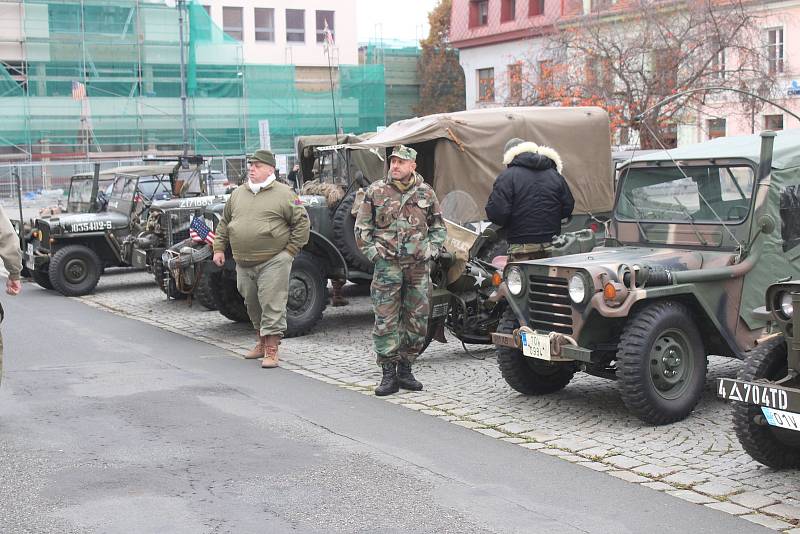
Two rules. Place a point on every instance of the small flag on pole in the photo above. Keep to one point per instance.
(328, 35)
(200, 232)
(78, 91)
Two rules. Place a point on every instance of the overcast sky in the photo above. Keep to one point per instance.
(407, 20)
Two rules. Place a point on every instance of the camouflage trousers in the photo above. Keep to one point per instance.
(401, 302)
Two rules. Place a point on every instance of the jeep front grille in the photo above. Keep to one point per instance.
(549, 305)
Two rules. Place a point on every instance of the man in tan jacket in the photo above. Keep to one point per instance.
(266, 225)
(12, 260)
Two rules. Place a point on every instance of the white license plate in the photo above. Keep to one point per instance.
(535, 345)
(782, 419)
(29, 263)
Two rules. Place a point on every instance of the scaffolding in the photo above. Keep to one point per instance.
(101, 79)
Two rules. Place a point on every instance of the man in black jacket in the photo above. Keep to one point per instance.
(529, 199)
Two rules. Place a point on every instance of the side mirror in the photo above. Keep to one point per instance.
(766, 224)
(489, 233)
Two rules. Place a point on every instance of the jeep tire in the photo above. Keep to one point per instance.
(74, 270)
(204, 290)
(661, 363)
(42, 276)
(344, 235)
(230, 302)
(307, 295)
(527, 375)
(774, 447)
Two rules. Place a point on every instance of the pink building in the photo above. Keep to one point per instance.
(500, 41)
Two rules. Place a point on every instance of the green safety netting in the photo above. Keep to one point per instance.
(125, 55)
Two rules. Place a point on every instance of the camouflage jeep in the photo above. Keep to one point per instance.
(766, 411)
(697, 233)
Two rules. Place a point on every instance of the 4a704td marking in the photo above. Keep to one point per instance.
(761, 395)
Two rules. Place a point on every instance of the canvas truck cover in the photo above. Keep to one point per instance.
(468, 148)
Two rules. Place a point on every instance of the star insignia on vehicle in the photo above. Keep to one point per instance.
(479, 279)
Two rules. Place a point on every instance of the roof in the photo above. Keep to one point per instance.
(469, 148)
(141, 170)
(786, 152)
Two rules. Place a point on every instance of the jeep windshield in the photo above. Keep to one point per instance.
(688, 194)
(122, 193)
(330, 167)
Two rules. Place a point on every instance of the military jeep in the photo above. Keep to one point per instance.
(697, 233)
(766, 392)
(68, 252)
(332, 175)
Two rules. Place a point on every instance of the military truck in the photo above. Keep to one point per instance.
(766, 392)
(693, 245)
(68, 252)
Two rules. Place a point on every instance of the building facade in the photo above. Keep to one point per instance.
(288, 33)
(83, 79)
(506, 46)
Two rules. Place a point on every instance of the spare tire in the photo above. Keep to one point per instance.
(344, 235)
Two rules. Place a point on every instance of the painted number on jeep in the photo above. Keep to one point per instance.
(92, 226)
(750, 393)
(196, 202)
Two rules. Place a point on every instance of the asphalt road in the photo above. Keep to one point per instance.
(110, 425)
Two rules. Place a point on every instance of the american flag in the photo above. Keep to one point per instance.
(200, 232)
(328, 35)
(78, 91)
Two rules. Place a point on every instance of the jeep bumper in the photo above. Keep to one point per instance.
(545, 351)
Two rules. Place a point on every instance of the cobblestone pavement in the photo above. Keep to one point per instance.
(698, 459)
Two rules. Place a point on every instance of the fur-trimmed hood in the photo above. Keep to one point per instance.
(533, 148)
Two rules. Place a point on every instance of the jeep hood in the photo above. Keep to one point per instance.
(118, 220)
(611, 258)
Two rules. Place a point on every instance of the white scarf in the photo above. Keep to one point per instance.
(255, 188)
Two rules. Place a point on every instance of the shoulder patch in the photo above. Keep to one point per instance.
(296, 201)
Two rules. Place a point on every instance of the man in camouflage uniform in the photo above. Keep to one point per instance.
(399, 227)
(11, 258)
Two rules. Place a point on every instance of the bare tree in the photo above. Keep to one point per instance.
(629, 58)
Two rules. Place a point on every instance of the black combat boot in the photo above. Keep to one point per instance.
(389, 383)
(406, 378)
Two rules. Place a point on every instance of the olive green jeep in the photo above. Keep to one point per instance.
(766, 392)
(696, 235)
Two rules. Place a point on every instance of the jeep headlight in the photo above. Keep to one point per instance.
(577, 288)
(514, 280)
(784, 301)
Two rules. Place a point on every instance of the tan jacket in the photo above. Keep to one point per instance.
(259, 226)
(9, 247)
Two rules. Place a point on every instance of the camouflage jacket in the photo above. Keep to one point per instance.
(391, 224)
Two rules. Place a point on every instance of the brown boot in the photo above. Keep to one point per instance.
(270, 360)
(337, 298)
(258, 350)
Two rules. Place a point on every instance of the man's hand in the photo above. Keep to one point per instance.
(219, 259)
(13, 287)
